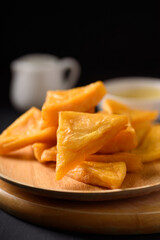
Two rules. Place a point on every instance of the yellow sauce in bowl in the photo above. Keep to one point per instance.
(140, 93)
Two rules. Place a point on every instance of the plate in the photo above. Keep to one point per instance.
(21, 169)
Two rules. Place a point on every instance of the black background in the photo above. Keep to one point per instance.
(121, 40)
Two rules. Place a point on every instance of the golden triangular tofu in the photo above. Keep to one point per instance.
(149, 149)
(133, 161)
(25, 131)
(81, 134)
(108, 175)
(81, 99)
(49, 154)
(114, 107)
(135, 116)
(39, 149)
(141, 130)
(125, 140)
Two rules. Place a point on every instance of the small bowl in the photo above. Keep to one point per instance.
(122, 85)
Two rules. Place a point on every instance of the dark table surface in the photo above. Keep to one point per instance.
(14, 228)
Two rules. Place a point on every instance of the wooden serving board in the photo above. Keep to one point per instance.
(139, 215)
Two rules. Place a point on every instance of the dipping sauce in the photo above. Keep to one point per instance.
(140, 93)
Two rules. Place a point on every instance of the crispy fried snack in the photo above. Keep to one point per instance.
(135, 116)
(38, 150)
(133, 161)
(81, 134)
(26, 131)
(49, 154)
(149, 149)
(141, 130)
(94, 148)
(125, 140)
(110, 175)
(81, 99)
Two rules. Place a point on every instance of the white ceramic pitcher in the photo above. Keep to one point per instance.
(34, 74)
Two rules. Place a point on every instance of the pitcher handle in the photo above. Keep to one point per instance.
(74, 72)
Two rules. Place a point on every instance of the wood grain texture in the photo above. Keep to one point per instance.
(139, 215)
(20, 168)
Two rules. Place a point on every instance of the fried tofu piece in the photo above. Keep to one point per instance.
(81, 99)
(149, 149)
(49, 154)
(135, 116)
(108, 175)
(81, 134)
(125, 140)
(39, 148)
(25, 131)
(114, 107)
(141, 130)
(133, 161)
